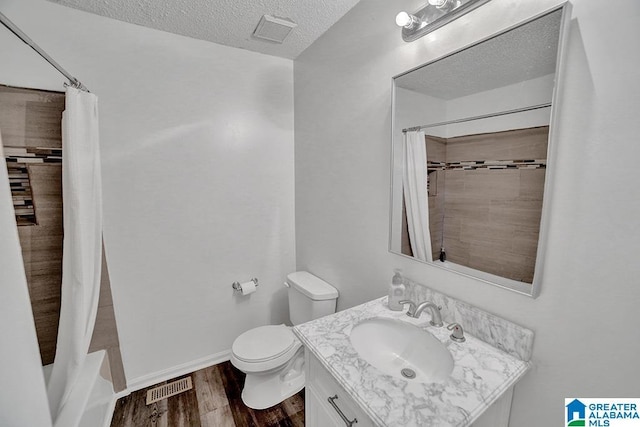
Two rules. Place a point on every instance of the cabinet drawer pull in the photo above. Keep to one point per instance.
(344, 418)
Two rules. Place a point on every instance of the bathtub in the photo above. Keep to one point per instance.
(92, 400)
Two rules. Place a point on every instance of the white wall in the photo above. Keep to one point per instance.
(197, 152)
(586, 317)
(528, 93)
(23, 396)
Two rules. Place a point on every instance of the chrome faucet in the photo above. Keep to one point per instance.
(413, 311)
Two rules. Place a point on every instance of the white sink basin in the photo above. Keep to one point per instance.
(402, 350)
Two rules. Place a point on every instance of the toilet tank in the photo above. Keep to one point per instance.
(309, 297)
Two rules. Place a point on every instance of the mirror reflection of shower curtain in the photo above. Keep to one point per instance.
(414, 183)
(82, 251)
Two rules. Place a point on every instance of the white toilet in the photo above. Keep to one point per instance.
(272, 356)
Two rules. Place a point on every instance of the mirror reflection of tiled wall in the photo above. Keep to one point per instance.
(486, 207)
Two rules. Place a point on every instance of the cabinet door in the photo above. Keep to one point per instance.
(317, 414)
(320, 387)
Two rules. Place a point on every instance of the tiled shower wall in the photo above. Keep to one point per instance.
(436, 156)
(30, 122)
(485, 199)
(493, 200)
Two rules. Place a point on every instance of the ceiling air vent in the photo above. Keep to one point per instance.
(274, 29)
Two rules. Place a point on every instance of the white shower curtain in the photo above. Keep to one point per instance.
(82, 253)
(414, 182)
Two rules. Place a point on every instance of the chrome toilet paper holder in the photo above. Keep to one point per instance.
(236, 285)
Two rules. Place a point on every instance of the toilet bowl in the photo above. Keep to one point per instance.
(271, 356)
(273, 359)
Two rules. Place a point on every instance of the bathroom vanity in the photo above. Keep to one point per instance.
(342, 387)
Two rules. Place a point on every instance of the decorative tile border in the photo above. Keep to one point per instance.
(33, 155)
(18, 159)
(498, 164)
(436, 166)
(21, 194)
(488, 164)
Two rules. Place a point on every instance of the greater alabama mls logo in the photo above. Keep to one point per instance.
(606, 412)
(575, 413)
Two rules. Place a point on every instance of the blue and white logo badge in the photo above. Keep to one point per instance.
(602, 412)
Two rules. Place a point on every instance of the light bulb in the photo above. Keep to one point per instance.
(406, 20)
(437, 3)
(403, 19)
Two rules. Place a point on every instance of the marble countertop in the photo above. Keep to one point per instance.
(480, 375)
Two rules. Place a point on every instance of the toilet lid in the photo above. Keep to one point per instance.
(263, 343)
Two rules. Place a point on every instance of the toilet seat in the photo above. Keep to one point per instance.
(264, 348)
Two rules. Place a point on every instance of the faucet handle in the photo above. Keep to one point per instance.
(412, 307)
(458, 334)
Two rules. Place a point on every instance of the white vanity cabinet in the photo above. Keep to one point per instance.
(319, 412)
(477, 393)
(497, 415)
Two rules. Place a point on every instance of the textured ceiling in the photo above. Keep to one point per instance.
(227, 22)
(524, 53)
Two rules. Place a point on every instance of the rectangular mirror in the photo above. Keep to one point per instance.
(472, 139)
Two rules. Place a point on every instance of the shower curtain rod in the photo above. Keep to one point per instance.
(22, 36)
(484, 116)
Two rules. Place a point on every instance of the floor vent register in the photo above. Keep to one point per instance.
(167, 390)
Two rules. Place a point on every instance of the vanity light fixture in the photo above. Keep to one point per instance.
(435, 14)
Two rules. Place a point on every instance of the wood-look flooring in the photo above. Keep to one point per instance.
(214, 401)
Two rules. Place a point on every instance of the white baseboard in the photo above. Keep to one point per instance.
(123, 393)
(175, 371)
